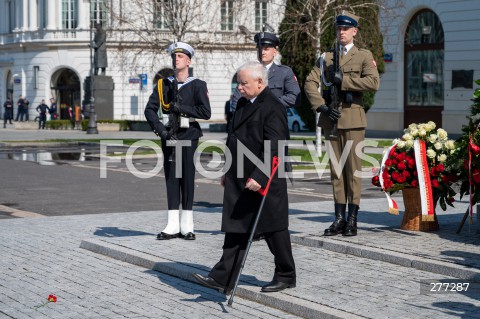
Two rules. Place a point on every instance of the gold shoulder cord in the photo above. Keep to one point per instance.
(165, 107)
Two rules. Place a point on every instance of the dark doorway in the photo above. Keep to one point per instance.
(65, 86)
(423, 76)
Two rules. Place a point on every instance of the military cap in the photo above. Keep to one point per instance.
(181, 47)
(266, 38)
(347, 19)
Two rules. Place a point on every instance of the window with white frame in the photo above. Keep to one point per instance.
(98, 12)
(226, 13)
(69, 14)
(161, 14)
(260, 14)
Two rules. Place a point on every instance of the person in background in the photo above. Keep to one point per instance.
(8, 112)
(20, 108)
(53, 109)
(42, 109)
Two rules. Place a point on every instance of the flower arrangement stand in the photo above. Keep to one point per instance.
(412, 218)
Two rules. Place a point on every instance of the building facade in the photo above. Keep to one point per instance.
(430, 47)
(431, 62)
(45, 52)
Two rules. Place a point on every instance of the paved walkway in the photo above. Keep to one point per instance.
(122, 271)
(110, 265)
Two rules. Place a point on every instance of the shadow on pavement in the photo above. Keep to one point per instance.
(118, 232)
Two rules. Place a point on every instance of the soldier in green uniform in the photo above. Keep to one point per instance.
(358, 73)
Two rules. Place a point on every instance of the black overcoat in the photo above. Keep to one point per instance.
(263, 120)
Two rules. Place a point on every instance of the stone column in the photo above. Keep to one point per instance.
(82, 16)
(51, 16)
(24, 13)
(32, 15)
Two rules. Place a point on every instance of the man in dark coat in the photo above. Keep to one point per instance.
(42, 109)
(179, 123)
(8, 114)
(21, 103)
(258, 124)
(100, 46)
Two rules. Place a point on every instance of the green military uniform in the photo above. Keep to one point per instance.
(360, 74)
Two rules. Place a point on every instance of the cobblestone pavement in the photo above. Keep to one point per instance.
(42, 256)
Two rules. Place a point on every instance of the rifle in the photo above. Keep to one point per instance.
(173, 103)
(259, 46)
(334, 89)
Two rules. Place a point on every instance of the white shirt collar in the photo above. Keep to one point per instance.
(347, 47)
(268, 66)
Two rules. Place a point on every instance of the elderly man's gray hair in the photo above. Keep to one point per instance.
(256, 70)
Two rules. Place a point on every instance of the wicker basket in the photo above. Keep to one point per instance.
(412, 218)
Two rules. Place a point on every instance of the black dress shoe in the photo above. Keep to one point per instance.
(210, 283)
(188, 236)
(165, 236)
(275, 286)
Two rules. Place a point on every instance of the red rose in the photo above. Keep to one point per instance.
(395, 176)
(401, 156)
(440, 168)
(52, 298)
(388, 162)
(406, 174)
(435, 183)
(402, 179)
(376, 181)
(387, 184)
(433, 171)
(401, 166)
(476, 176)
(410, 161)
(414, 183)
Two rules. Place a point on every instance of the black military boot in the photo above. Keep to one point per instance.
(339, 224)
(351, 229)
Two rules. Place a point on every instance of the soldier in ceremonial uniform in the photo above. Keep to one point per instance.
(178, 123)
(358, 74)
(281, 80)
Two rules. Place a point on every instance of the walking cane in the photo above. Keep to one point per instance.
(263, 192)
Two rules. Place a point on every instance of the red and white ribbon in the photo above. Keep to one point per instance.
(424, 184)
(392, 205)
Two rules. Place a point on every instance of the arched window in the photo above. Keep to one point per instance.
(424, 56)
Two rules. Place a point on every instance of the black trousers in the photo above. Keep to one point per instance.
(7, 116)
(41, 120)
(226, 270)
(20, 114)
(179, 188)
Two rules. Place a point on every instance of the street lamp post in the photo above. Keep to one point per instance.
(92, 117)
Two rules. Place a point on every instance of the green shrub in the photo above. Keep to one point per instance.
(59, 125)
